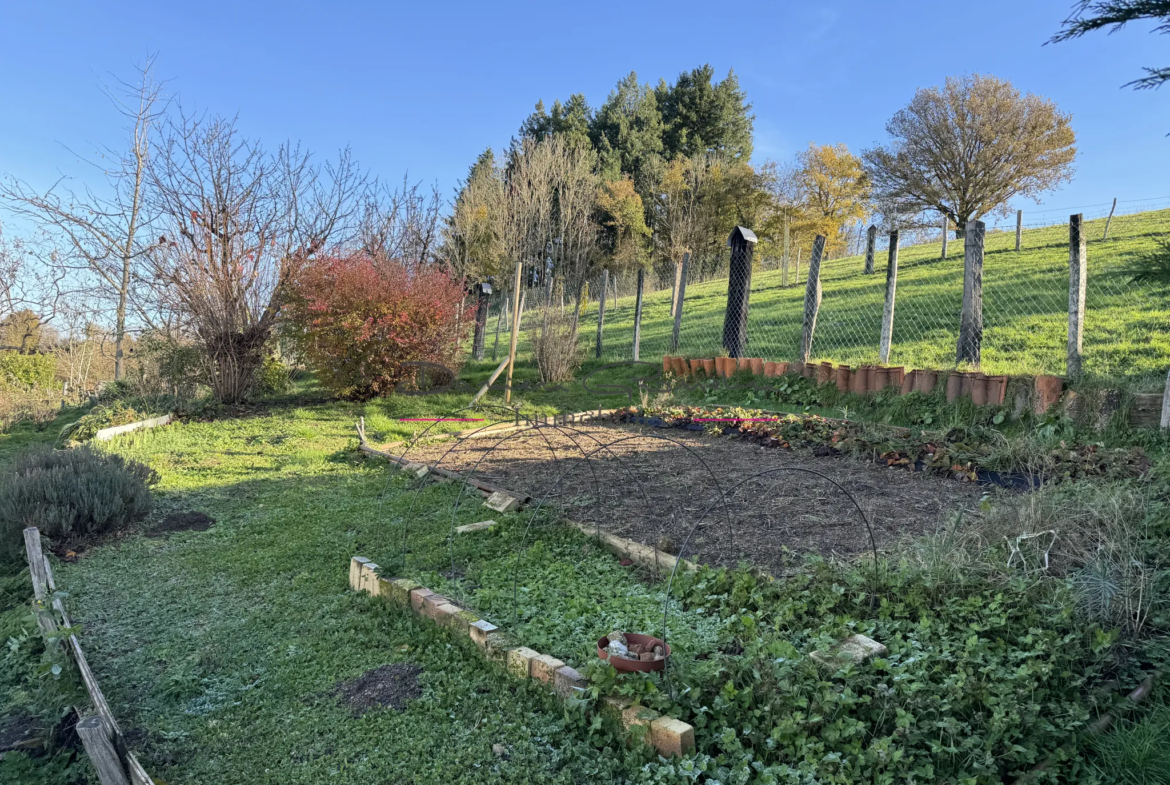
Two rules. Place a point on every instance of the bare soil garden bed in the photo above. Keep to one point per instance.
(652, 486)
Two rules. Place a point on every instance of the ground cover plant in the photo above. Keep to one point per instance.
(225, 649)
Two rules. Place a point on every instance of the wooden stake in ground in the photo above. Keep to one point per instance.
(1078, 261)
(812, 298)
(784, 263)
(870, 248)
(741, 241)
(40, 579)
(514, 336)
(678, 309)
(1166, 404)
(499, 321)
(1109, 220)
(891, 289)
(946, 231)
(638, 312)
(1019, 228)
(971, 318)
(601, 308)
(97, 737)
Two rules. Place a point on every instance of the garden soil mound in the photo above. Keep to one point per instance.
(387, 685)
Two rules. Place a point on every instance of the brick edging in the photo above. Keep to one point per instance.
(667, 735)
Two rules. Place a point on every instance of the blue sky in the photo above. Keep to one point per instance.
(421, 88)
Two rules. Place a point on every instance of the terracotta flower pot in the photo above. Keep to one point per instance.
(908, 382)
(857, 381)
(880, 379)
(770, 370)
(979, 389)
(1048, 389)
(996, 390)
(709, 368)
(757, 365)
(842, 378)
(696, 366)
(954, 385)
(925, 380)
(783, 368)
(824, 373)
(623, 664)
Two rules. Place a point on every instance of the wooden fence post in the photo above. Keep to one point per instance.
(971, 319)
(638, 313)
(601, 308)
(99, 746)
(1109, 220)
(946, 231)
(741, 241)
(891, 290)
(1019, 228)
(870, 248)
(678, 308)
(1166, 404)
(1078, 262)
(499, 322)
(40, 579)
(515, 333)
(481, 315)
(812, 298)
(784, 263)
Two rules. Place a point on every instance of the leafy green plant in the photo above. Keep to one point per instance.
(1136, 753)
(117, 412)
(71, 493)
(272, 378)
(24, 371)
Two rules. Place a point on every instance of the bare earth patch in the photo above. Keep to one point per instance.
(188, 521)
(653, 485)
(387, 685)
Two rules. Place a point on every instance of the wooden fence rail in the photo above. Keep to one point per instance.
(97, 728)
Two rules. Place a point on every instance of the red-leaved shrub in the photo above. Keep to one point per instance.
(358, 319)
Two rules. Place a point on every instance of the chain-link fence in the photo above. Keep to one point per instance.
(1025, 302)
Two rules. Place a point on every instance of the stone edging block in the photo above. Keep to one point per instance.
(668, 735)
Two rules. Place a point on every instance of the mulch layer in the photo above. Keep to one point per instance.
(752, 504)
(390, 686)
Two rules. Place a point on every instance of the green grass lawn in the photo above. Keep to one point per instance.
(1127, 328)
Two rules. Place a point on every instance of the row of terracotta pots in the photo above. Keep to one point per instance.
(980, 388)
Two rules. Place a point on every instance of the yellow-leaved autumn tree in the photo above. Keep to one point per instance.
(834, 192)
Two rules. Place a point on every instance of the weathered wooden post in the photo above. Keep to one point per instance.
(1078, 262)
(515, 333)
(1109, 220)
(741, 241)
(97, 737)
(971, 319)
(812, 298)
(678, 309)
(784, 262)
(483, 293)
(870, 248)
(1019, 228)
(946, 232)
(499, 322)
(638, 312)
(601, 308)
(1165, 422)
(891, 291)
(40, 579)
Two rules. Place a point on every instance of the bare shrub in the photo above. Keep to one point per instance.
(554, 343)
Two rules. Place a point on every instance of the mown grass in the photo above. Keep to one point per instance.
(1025, 308)
(223, 646)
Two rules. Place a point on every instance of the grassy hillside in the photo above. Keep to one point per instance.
(1127, 330)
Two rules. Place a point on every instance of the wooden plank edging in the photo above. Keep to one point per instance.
(105, 434)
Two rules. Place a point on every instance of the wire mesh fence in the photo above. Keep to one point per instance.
(1025, 302)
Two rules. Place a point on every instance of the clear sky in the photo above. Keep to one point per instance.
(421, 88)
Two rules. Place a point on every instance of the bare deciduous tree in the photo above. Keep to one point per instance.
(967, 148)
(239, 222)
(104, 235)
(401, 223)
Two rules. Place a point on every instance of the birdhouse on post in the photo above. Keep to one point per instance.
(739, 286)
